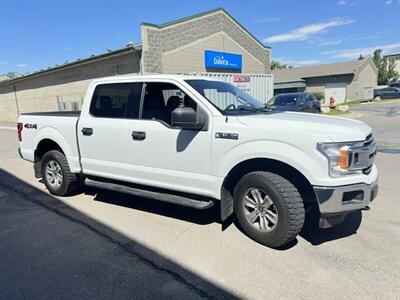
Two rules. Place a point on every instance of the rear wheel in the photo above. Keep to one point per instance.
(56, 174)
(378, 98)
(268, 208)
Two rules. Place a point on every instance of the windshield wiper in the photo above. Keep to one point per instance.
(246, 107)
(266, 108)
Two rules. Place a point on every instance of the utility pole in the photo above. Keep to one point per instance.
(16, 99)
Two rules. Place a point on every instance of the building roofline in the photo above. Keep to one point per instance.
(394, 54)
(132, 48)
(219, 9)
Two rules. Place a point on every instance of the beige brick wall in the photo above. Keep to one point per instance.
(40, 93)
(190, 58)
(156, 42)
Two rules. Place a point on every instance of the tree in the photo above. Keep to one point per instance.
(277, 65)
(386, 67)
(391, 73)
(360, 57)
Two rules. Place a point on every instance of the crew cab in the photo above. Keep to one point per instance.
(197, 141)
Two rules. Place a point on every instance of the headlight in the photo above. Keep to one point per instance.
(339, 157)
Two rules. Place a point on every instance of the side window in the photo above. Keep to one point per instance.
(160, 99)
(117, 100)
(309, 98)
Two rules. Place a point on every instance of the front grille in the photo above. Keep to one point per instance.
(368, 140)
(362, 157)
(368, 170)
(368, 144)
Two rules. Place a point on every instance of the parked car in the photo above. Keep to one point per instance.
(303, 102)
(387, 93)
(395, 84)
(195, 141)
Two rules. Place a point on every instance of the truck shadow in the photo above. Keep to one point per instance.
(317, 236)
(310, 232)
(51, 250)
(201, 217)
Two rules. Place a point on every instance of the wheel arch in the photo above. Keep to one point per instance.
(43, 146)
(281, 168)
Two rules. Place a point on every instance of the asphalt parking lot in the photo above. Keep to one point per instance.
(107, 245)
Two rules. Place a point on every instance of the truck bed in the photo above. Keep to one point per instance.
(54, 114)
(57, 126)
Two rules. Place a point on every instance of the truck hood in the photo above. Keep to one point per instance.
(336, 128)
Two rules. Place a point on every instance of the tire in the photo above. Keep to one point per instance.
(378, 98)
(56, 174)
(283, 200)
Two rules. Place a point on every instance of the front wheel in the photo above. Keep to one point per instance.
(56, 174)
(378, 98)
(268, 208)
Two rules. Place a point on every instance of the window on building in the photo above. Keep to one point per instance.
(161, 99)
(119, 100)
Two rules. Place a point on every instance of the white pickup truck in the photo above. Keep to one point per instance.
(195, 142)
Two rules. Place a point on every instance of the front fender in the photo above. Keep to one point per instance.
(310, 164)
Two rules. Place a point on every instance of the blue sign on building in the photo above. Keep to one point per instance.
(222, 60)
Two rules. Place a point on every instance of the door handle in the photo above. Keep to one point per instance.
(138, 135)
(87, 131)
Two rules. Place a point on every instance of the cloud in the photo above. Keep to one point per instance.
(354, 53)
(21, 65)
(388, 2)
(267, 20)
(374, 36)
(297, 63)
(348, 3)
(308, 31)
(3, 62)
(330, 42)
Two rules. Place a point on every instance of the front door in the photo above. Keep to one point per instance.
(164, 156)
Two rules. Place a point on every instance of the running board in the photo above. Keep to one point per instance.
(160, 196)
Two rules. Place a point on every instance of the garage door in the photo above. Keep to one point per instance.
(336, 90)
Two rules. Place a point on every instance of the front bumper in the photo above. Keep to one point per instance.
(336, 201)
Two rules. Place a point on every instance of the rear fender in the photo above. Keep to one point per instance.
(55, 135)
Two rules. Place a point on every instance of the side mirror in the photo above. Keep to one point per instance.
(185, 118)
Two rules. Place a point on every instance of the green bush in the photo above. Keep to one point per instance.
(319, 95)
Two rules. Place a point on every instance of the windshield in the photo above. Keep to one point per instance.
(288, 99)
(225, 96)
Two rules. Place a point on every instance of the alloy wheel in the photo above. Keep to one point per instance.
(260, 210)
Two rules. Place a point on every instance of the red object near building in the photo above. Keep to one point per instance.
(332, 102)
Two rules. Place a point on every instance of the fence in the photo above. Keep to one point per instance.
(260, 86)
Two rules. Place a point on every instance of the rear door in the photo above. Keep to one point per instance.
(104, 133)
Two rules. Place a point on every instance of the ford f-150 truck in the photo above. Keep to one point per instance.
(197, 141)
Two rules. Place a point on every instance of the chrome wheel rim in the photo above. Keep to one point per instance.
(260, 210)
(54, 174)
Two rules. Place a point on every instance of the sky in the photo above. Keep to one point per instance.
(40, 34)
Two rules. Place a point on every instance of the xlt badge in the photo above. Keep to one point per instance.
(227, 135)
